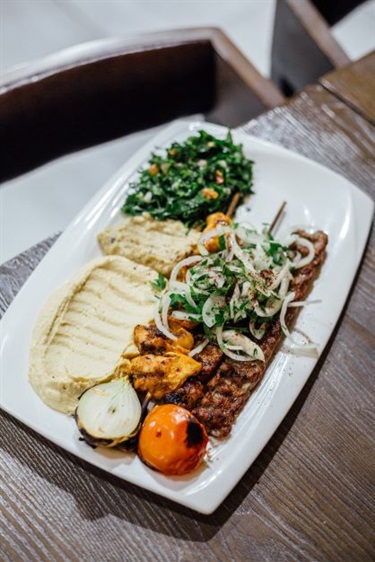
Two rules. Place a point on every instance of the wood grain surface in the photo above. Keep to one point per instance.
(355, 85)
(310, 493)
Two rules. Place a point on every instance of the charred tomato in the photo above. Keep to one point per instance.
(172, 440)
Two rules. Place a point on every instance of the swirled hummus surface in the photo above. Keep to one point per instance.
(86, 326)
(157, 244)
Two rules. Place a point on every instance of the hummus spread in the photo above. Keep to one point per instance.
(157, 244)
(85, 327)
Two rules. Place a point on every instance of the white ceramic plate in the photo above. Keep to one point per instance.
(317, 198)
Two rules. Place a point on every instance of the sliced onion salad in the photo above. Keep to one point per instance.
(236, 292)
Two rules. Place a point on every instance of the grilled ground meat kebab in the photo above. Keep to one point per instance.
(218, 403)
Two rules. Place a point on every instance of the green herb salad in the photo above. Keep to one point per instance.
(191, 180)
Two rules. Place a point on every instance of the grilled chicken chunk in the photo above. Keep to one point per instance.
(193, 390)
(161, 374)
(149, 339)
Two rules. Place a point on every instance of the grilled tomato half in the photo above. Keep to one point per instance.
(172, 440)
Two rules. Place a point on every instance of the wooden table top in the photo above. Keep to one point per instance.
(355, 85)
(310, 493)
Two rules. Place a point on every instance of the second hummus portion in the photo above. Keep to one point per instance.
(157, 244)
(86, 326)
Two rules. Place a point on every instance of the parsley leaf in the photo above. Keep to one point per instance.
(159, 283)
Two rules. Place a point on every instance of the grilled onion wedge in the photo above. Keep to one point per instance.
(109, 414)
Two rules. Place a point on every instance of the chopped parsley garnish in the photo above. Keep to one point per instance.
(191, 180)
(159, 284)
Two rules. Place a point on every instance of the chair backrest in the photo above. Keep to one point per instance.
(104, 90)
(303, 47)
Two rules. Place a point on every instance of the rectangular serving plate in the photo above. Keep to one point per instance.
(317, 198)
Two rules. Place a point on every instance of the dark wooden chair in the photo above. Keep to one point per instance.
(303, 47)
(107, 89)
